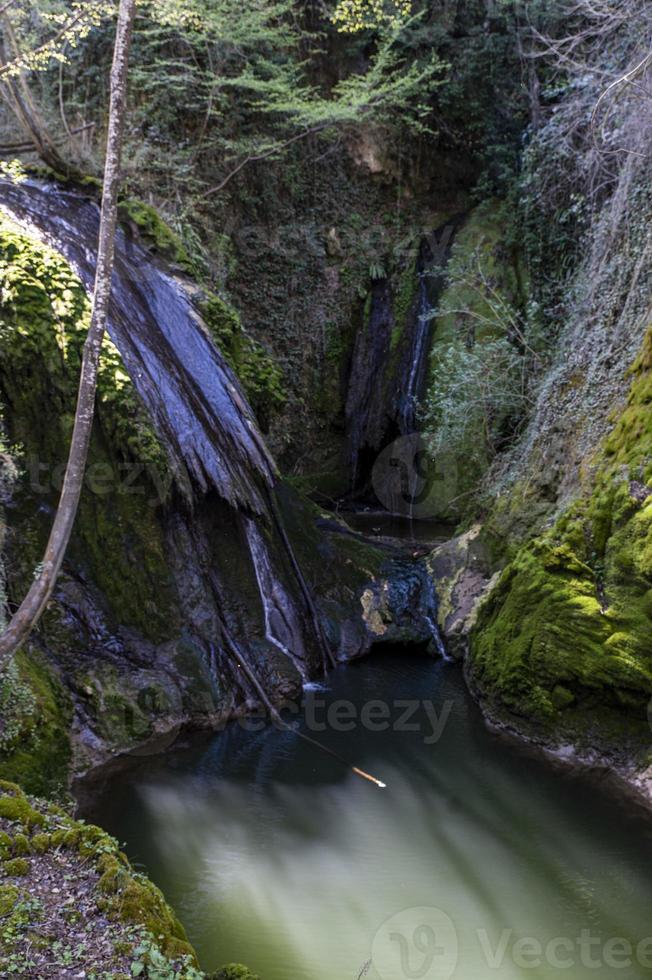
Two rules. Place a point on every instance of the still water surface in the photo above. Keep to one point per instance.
(274, 855)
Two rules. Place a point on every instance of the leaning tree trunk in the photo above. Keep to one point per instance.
(39, 593)
(18, 98)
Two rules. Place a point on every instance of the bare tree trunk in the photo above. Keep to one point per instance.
(39, 593)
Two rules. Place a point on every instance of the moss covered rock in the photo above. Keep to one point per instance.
(476, 359)
(109, 884)
(259, 373)
(16, 867)
(569, 625)
(234, 971)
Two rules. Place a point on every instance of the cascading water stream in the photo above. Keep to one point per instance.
(420, 342)
(193, 397)
(390, 359)
(282, 623)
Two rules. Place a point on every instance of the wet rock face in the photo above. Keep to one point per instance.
(390, 356)
(464, 580)
(400, 605)
(195, 401)
(175, 609)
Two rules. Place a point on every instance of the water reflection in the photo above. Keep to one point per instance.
(275, 856)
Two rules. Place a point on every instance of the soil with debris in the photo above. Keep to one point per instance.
(72, 907)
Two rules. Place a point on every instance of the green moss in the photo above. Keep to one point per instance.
(470, 400)
(41, 843)
(480, 257)
(121, 892)
(16, 868)
(404, 300)
(571, 619)
(39, 755)
(259, 373)
(118, 541)
(21, 844)
(44, 316)
(18, 809)
(234, 971)
(136, 900)
(8, 899)
(156, 232)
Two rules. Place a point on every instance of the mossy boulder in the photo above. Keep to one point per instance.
(16, 867)
(471, 399)
(234, 971)
(569, 625)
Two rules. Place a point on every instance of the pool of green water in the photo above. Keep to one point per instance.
(476, 861)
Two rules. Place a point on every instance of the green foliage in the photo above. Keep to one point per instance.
(18, 706)
(37, 32)
(13, 169)
(483, 365)
(150, 963)
(358, 15)
(217, 84)
(479, 392)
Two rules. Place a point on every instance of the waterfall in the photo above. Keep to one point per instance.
(282, 622)
(390, 359)
(409, 396)
(193, 397)
(431, 616)
(194, 400)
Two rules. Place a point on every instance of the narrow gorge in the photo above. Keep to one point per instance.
(348, 667)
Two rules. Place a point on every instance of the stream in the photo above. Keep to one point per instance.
(477, 860)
